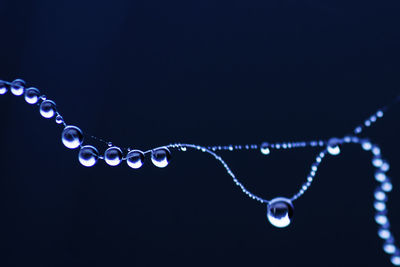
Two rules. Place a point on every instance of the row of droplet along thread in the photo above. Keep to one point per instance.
(279, 210)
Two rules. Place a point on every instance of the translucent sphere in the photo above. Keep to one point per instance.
(395, 259)
(72, 137)
(160, 157)
(3, 87)
(113, 156)
(280, 212)
(32, 95)
(17, 87)
(384, 233)
(59, 119)
(265, 148)
(47, 109)
(88, 156)
(389, 246)
(333, 146)
(135, 159)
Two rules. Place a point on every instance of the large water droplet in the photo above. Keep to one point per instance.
(135, 159)
(32, 95)
(3, 87)
(17, 87)
(160, 157)
(72, 137)
(47, 109)
(280, 212)
(88, 156)
(265, 148)
(333, 146)
(113, 156)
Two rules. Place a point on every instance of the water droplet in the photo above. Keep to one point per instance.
(387, 185)
(380, 195)
(265, 148)
(380, 176)
(135, 159)
(72, 137)
(396, 259)
(384, 233)
(3, 87)
(113, 156)
(88, 156)
(59, 119)
(379, 205)
(380, 218)
(47, 109)
(32, 95)
(366, 145)
(160, 157)
(280, 212)
(17, 87)
(389, 246)
(333, 146)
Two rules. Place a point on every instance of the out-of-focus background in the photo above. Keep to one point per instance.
(148, 73)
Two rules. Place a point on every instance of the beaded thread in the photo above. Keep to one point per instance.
(279, 210)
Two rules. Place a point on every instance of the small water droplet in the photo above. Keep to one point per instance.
(3, 87)
(160, 157)
(135, 159)
(59, 119)
(88, 156)
(47, 109)
(32, 95)
(333, 146)
(17, 87)
(113, 156)
(265, 148)
(72, 137)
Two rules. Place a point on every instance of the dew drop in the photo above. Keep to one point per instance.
(88, 156)
(135, 159)
(32, 95)
(47, 109)
(59, 119)
(264, 148)
(3, 87)
(160, 157)
(113, 156)
(333, 146)
(72, 137)
(17, 87)
(280, 212)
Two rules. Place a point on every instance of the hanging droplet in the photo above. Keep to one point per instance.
(389, 246)
(47, 109)
(59, 119)
(72, 137)
(384, 233)
(3, 87)
(135, 159)
(333, 146)
(280, 212)
(88, 156)
(264, 148)
(395, 259)
(17, 87)
(160, 157)
(32, 95)
(113, 156)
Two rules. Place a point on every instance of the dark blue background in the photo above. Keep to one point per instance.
(148, 73)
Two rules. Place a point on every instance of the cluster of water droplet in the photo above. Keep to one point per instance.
(72, 136)
(279, 210)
